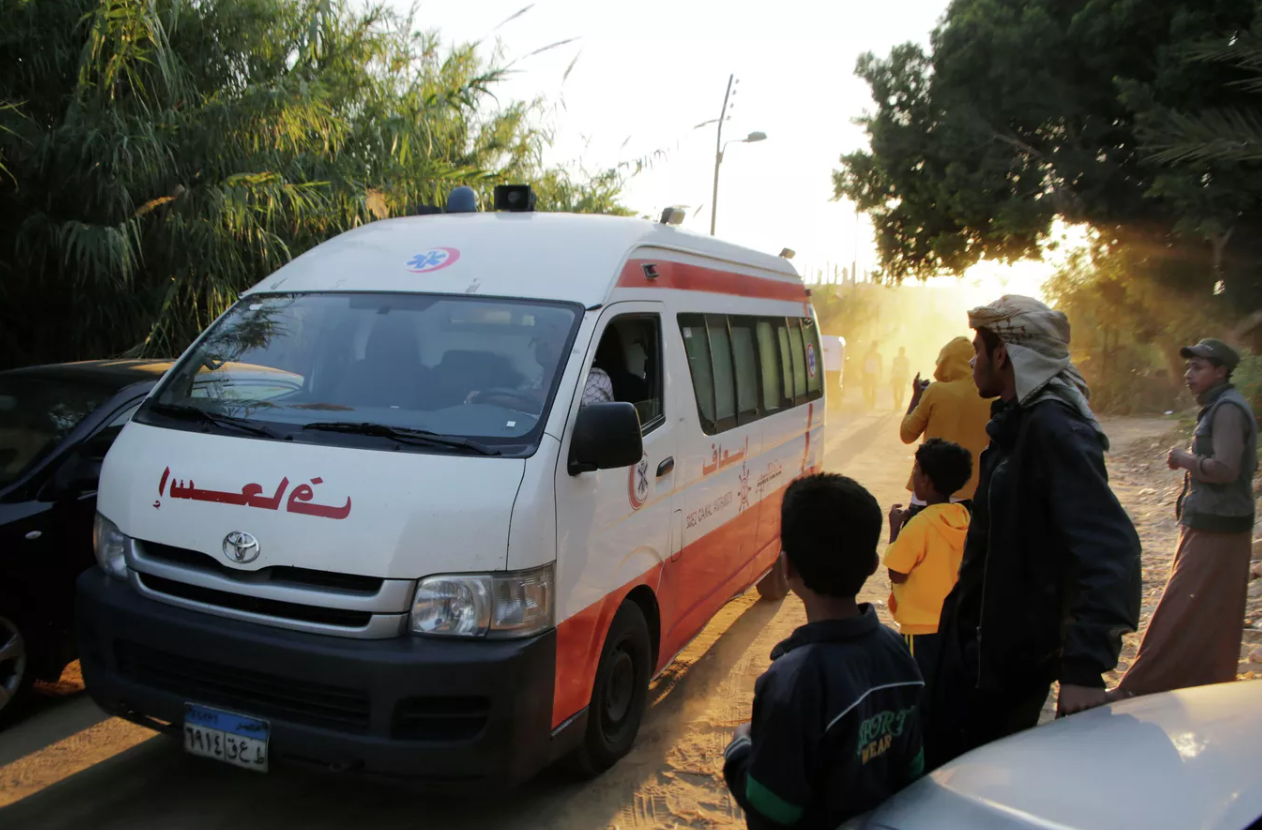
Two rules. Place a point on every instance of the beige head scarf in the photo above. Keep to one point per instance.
(1037, 338)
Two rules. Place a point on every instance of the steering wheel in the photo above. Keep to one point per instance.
(517, 399)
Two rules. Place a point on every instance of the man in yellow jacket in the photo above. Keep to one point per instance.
(950, 409)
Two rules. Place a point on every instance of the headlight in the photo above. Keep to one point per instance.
(495, 605)
(457, 606)
(110, 545)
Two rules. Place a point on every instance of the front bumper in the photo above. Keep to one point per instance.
(408, 707)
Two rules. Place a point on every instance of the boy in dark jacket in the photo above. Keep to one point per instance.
(836, 726)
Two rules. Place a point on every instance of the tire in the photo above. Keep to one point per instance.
(775, 585)
(17, 669)
(619, 695)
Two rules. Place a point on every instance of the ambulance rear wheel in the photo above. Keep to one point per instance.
(775, 585)
(619, 695)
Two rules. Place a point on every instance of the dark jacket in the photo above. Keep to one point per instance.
(836, 727)
(1051, 577)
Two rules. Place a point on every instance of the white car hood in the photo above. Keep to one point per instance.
(394, 515)
(1188, 760)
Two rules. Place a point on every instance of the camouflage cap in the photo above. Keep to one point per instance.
(1213, 350)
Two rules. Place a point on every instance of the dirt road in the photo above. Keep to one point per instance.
(69, 767)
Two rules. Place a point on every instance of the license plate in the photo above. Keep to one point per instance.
(224, 736)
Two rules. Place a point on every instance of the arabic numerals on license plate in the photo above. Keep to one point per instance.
(222, 736)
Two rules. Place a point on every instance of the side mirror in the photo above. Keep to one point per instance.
(80, 474)
(606, 436)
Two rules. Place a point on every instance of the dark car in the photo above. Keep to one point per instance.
(56, 424)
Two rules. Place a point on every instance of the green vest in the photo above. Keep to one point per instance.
(1226, 508)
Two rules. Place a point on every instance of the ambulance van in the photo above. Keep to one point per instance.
(514, 462)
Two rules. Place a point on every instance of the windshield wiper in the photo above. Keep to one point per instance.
(405, 436)
(193, 413)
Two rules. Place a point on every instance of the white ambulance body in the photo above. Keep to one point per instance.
(418, 553)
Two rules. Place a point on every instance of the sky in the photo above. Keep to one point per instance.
(648, 71)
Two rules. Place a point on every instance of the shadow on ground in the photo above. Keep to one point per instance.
(154, 785)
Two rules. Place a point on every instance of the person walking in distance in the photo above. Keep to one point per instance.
(900, 373)
(873, 368)
(1050, 578)
(950, 408)
(1194, 636)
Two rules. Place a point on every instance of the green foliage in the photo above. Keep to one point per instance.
(160, 156)
(1231, 134)
(1248, 379)
(593, 193)
(1025, 110)
(1127, 335)
(1126, 332)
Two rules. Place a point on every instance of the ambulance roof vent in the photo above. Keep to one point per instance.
(462, 200)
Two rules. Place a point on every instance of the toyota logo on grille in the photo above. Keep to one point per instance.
(240, 547)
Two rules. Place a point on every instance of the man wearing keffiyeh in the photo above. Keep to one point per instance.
(1050, 578)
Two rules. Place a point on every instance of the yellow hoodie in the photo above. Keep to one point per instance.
(928, 550)
(951, 409)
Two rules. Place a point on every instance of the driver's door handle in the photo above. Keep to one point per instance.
(666, 466)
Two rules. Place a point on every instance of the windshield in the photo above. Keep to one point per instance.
(36, 415)
(319, 367)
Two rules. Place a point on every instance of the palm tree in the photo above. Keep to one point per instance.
(159, 156)
(1225, 134)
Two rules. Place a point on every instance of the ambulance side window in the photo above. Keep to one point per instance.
(724, 373)
(799, 361)
(630, 353)
(713, 366)
(786, 359)
(697, 347)
(769, 360)
(745, 368)
(745, 359)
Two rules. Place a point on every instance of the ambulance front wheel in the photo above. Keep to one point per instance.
(17, 674)
(775, 585)
(619, 694)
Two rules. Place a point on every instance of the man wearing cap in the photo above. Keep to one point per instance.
(1050, 578)
(1194, 636)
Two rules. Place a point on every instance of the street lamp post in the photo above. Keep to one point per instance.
(720, 148)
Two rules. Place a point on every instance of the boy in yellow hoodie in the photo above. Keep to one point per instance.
(925, 550)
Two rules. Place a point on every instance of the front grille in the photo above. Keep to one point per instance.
(440, 718)
(241, 690)
(256, 605)
(282, 574)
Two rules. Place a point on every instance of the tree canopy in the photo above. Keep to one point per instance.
(158, 156)
(1101, 112)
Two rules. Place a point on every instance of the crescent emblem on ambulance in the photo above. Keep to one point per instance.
(638, 487)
